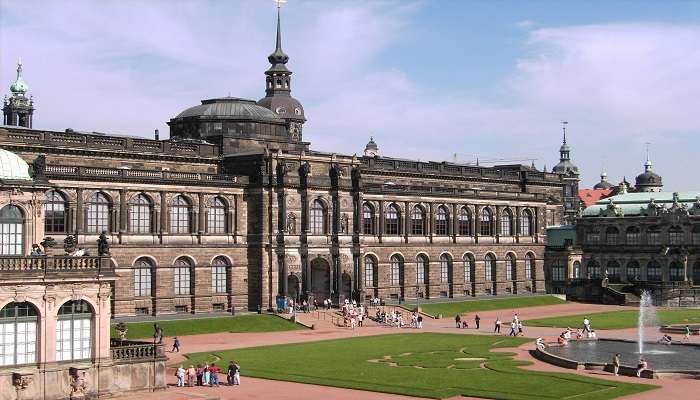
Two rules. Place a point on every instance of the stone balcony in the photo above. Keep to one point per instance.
(124, 351)
(55, 267)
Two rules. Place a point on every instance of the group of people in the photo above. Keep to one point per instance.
(207, 375)
(463, 323)
(641, 365)
(352, 314)
(395, 318)
(516, 325)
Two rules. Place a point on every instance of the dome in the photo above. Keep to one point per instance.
(648, 177)
(230, 107)
(13, 167)
(565, 167)
(286, 107)
(19, 86)
(603, 184)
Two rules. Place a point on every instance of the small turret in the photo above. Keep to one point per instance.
(371, 150)
(18, 109)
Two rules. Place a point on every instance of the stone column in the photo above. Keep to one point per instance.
(79, 211)
(455, 222)
(477, 223)
(380, 227)
(123, 212)
(164, 228)
(202, 221)
(517, 221)
(431, 221)
(406, 221)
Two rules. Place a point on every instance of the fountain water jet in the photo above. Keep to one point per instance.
(647, 318)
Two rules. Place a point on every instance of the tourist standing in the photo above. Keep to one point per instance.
(458, 321)
(176, 345)
(214, 375)
(236, 373)
(497, 327)
(200, 375)
(420, 321)
(191, 375)
(476, 320)
(180, 374)
(513, 328)
(586, 325)
(207, 375)
(641, 367)
(616, 364)
(520, 328)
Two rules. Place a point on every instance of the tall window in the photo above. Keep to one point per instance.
(558, 272)
(367, 219)
(98, 213)
(11, 231)
(696, 273)
(369, 272)
(216, 216)
(653, 271)
(510, 267)
(486, 222)
(526, 223)
(180, 215)
(74, 331)
(395, 269)
(632, 236)
(18, 331)
(695, 235)
(140, 214)
(317, 218)
(675, 236)
(391, 220)
(594, 269)
(633, 270)
(506, 223)
(675, 271)
(611, 236)
(613, 268)
(577, 270)
(418, 221)
(490, 267)
(529, 265)
(143, 271)
(593, 237)
(465, 228)
(219, 269)
(468, 264)
(442, 221)
(444, 269)
(55, 212)
(183, 274)
(421, 266)
(653, 235)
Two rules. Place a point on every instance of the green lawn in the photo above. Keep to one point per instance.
(434, 365)
(462, 307)
(242, 323)
(618, 319)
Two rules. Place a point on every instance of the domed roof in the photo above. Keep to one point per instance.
(286, 107)
(19, 86)
(648, 178)
(565, 167)
(230, 107)
(603, 184)
(13, 166)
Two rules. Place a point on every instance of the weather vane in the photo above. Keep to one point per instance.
(279, 3)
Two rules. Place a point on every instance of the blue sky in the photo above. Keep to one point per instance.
(429, 79)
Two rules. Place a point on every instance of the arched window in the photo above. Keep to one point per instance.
(695, 235)
(511, 273)
(55, 212)
(219, 275)
(632, 236)
(143, 273)
(465, 226)
(216, 216)
(19, 323)
(529, 266)
(11, 231)
(611, 236)
(421, 268)
(486, 222)
(593, 237)
(653, 271)
(445, 268)
(594, 269)
(98, 208)
(653, 235)
(442, 221)
(317, 218)
(675, 236)
(613, 269)
(633, 271)
(506, 223)
(367, 219)
(696, 273)
(180, 215)
(391, 220)
(490, 267)
(395, 270)
(140, 214)
(183, 276)
(577, 270)
(74, 331)
(418, 221)
(675, 271)
(370, 274)
(526, 223)
(468, 264)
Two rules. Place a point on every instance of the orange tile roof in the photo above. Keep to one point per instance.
(590, 196)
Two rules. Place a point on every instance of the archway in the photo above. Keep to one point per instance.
(320, 279)
(346, 286)
(293, 285)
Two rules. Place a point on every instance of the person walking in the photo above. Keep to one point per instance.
(513, 328)
(616, 364)
(476, 320)
(687, 333)
(176, 345)
(180, 374)
(520, 328)
(497, 328)
(458, 321)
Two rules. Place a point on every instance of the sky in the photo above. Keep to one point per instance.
(430, 80)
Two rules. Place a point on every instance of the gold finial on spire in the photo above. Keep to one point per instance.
(279, 3)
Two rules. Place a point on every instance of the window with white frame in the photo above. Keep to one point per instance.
(444, 269)
(442, 221)
(418, 221)
(421, 266)
(395, 269)
(219, 274)
(632, 236)
(74, 331)
(216, 216)
(468, 264)
(98, 208)
(55, 212)
(180, 215)
(526, 223)
(367, 219)
(510, 267)
(653, 271)
(317, 217)
(391, 220)
(506, 223)
(143, 271)
(529, 265)
(486, 222)
(140, 214)
(19, 323)
(369, 271)
(464, 221)
(490, 267)
(183, 276)
(11, 231)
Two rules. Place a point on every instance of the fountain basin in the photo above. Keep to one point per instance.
(664, 360)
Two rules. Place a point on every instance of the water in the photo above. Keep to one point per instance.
(647, 318)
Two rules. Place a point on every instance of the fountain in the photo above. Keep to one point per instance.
(647, 318)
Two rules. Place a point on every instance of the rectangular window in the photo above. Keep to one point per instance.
(675, 237)
(181, 309)
(489, 271)
(218, 279)
(182, 281)
(416, 225)
(141, 311)
(653, 238)
(509, 271)
(420, 272)
(593, 237)
(395, 273)
(632, 238)
(142, 282)
(528, 268)
(98, 217)
(654, 273)
(611, 238)
(467, 270)
(444, 272)
(695, 238)
(367, 222)
(558, 273)
(218, 307)
(369, 274)
(216, 220)
(11, 239)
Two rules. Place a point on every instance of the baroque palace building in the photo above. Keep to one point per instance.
(235, 208)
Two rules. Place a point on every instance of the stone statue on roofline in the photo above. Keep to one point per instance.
(69, 244)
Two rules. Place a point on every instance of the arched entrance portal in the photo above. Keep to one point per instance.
(293, 285)
(346, 287)
(320, 279)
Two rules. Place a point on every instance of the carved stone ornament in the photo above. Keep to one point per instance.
(290, 259)
(78, 383)
(21, 381)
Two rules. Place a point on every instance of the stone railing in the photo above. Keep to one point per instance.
(139, 175)
(129, 350)
(43, 265)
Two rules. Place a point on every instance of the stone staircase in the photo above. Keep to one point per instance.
(623, 293)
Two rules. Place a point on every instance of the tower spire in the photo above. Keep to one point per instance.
(563, 127)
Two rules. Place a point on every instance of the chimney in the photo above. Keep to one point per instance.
(156, 134)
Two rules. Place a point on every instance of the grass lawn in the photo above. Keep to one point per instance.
(435, 365)
(242, 323)
(618, 319)
(462, 307)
